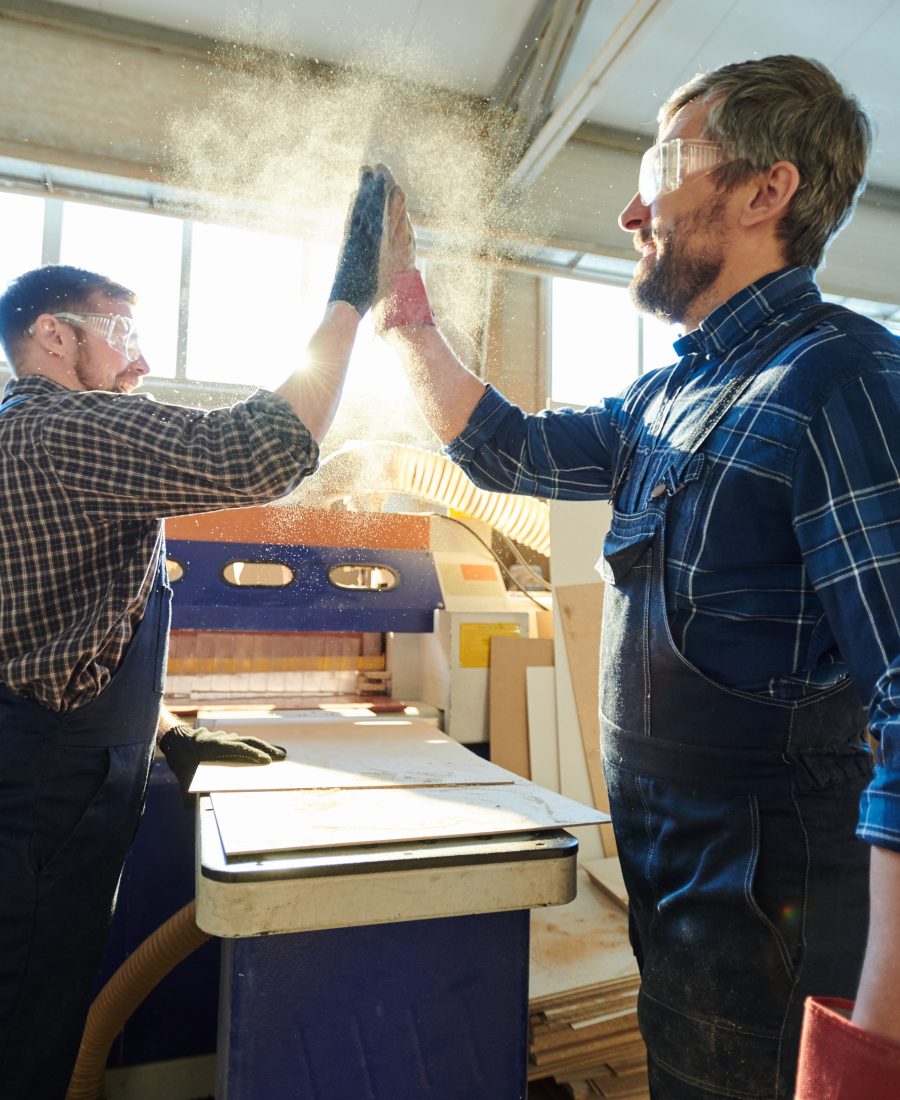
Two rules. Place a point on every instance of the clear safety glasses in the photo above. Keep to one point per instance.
(118, 331)
(666, 166)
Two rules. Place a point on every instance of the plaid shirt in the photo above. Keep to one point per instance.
(785, 576)
(87, 478)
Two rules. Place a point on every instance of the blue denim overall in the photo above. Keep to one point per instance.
(71, 793)
(734, 815)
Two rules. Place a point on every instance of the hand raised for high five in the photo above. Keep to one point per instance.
(401, 299)
(356, 277)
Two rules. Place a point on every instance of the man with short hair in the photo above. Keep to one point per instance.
(752, 568)
(89, 470)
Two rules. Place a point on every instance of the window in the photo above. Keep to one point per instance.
(599, 341)
(246, 298)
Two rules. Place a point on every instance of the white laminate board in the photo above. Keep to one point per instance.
(272, 821)
(400, 752)
(542, 741)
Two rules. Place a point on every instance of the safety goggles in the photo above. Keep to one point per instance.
(666, 165)
(117, 330)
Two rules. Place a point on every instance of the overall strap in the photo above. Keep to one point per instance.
(764, 352)
(8, 404)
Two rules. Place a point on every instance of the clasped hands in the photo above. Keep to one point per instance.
(377, 263)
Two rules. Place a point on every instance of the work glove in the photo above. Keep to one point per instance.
(185, 747)
(356, 277)
(401, 299)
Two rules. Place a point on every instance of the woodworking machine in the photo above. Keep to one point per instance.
(382, 969)
(295, 609)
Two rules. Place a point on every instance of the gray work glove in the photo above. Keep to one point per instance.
(185, 747)
(356, 277)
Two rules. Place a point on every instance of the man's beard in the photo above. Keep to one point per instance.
(677, 276)
(80, 368)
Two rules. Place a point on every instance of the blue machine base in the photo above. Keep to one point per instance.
(421, 1010)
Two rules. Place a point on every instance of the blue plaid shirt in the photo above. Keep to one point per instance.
(786, 577)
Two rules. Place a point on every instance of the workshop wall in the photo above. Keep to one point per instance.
(84, 96)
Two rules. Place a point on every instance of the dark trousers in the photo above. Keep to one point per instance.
(68, 814)
(741, 905)
(71, 794)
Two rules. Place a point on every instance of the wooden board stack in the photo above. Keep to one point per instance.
(583, 1006)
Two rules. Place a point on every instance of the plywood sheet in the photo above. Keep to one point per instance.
(508, 701)
(581, 616)
(542, 741)
(584, 943)
(354, 753)
(607, 874)
(272, 821)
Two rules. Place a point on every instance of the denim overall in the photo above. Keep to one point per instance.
(734, 815)
(71, 793)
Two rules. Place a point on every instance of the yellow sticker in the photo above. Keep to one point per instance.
(475, 641)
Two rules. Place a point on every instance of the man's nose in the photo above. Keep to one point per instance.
(635, 215)
(141, 366)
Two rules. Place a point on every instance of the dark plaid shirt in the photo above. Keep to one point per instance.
(786, 574)
(85, 481)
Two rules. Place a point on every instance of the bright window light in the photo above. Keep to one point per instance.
(254, 303)
(594, 343)
(141, 251)
(21, 230)
(658, 340)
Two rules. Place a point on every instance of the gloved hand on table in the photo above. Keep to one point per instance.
(184, 747)
(356, 277)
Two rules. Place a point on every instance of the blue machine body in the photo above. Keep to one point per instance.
(205, 600)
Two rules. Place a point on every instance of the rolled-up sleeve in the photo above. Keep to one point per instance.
(126, 456)
(562, 454)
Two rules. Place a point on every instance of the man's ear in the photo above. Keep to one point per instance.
(51, 336)
(770, 195)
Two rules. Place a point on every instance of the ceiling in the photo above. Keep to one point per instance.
(626, 56)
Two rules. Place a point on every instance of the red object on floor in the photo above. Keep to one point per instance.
(840, 1061)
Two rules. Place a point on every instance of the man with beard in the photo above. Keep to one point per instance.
(752, 568)
(89, 470)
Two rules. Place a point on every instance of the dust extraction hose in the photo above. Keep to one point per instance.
(411, 471)
(157, 955)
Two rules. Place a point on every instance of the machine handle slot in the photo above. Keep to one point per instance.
(257, 574)
(364, 577)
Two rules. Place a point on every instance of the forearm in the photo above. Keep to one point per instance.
(314, 389)
(878, 1000)
(445, 390)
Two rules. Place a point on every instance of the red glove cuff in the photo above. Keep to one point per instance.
(840, 1061)
(407, 304)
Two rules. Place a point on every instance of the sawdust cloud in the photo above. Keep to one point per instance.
(278, 147)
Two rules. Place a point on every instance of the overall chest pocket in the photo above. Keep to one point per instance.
(626, 544)
(631, 533)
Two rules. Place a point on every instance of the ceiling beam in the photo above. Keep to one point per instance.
(533, 73)
(580, 99)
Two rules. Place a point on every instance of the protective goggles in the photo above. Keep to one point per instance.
(666, 165)
(118, 331)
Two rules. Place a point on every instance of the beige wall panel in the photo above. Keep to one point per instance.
(93, 102)
(579, 197)
(517, 363)
(864, 261)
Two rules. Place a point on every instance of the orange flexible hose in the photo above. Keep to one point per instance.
(142, 970)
